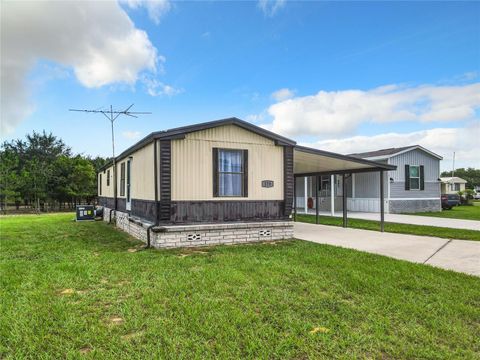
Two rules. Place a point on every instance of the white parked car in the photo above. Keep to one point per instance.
(477, 196)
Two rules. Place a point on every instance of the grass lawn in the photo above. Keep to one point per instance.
(72, 290)
(458, 212)
(447, 233)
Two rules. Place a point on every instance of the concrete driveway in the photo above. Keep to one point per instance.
(410, 219)
(458, 255)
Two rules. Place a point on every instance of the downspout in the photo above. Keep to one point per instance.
(110, 216)
(155, 180)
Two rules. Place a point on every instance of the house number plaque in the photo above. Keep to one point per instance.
(267, 183)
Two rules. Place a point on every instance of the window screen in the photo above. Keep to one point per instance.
(414, 177)
(230, 172)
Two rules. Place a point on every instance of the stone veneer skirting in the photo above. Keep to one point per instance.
(172, 236)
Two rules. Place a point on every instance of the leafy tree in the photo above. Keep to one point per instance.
(42, 170)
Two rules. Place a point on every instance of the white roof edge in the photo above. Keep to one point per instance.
(382, 157)
(420, 148)
(454, 179)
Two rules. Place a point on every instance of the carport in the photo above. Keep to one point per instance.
(314, 163)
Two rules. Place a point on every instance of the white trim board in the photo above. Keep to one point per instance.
(393, 199)
(397, 199)
(416, 147)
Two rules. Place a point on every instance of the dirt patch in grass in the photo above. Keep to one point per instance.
(116, 320)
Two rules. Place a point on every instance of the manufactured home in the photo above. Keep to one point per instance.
(413, 187)
(452, 185)
(217, 182)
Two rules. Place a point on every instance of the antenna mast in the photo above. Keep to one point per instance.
(112, 115)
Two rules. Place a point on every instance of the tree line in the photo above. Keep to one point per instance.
(470, 175)
(43, 174)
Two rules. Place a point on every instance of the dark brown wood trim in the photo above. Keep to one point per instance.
(165, 179)
(184, 212)
(155, 180)
(288, 179)
(245, 173)
(215, 171)
(145, 209)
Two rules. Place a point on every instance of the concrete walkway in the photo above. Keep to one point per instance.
(410, 219)
(458, 255)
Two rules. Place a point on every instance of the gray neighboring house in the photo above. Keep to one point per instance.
(414, 187)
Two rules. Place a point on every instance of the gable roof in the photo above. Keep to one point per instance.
(454, 180)
(390, 152)
(180, 132)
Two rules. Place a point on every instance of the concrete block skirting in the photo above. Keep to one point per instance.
(172, 236)
(412, 206)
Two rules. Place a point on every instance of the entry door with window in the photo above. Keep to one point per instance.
(128, 185)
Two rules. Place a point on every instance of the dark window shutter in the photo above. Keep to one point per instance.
(215, 171)
(422, 178)
(245, 173)
(407, 177)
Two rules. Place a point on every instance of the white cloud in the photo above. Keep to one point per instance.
(283, 94)
(131, 135)
(156, 8)
(255, 118)
(270, 7)
(443, 141)
(157, 88)
(330, 113)
(95, 39)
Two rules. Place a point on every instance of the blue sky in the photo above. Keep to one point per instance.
(313, 71)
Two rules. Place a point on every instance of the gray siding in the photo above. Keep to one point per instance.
(415, 157)
(367, 185)
(431, 173)
(397, 191)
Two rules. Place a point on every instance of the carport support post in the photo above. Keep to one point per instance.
(332, 195)
(382, 203)
(317, 180)
(294, 198)
(305, 194)
(344, 199)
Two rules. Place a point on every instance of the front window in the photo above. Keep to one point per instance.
(100, 184)
(230, 172)
(414, 177)
(108, 177)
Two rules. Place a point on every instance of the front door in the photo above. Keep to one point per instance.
(129, 182)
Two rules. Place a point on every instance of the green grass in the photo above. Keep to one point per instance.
(248, 301)
(471, 212)
(447, 233)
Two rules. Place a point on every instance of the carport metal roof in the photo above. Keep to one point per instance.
(310, 162)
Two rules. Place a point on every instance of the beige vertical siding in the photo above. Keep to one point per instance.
(192, 164)
(107, 191)
(142, 173)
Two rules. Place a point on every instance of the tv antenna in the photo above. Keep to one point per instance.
(112, 115)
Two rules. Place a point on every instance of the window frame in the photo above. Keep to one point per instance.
(108, 177)
(410, 177)
(122, 179)
(324, 179)
(243, 173)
